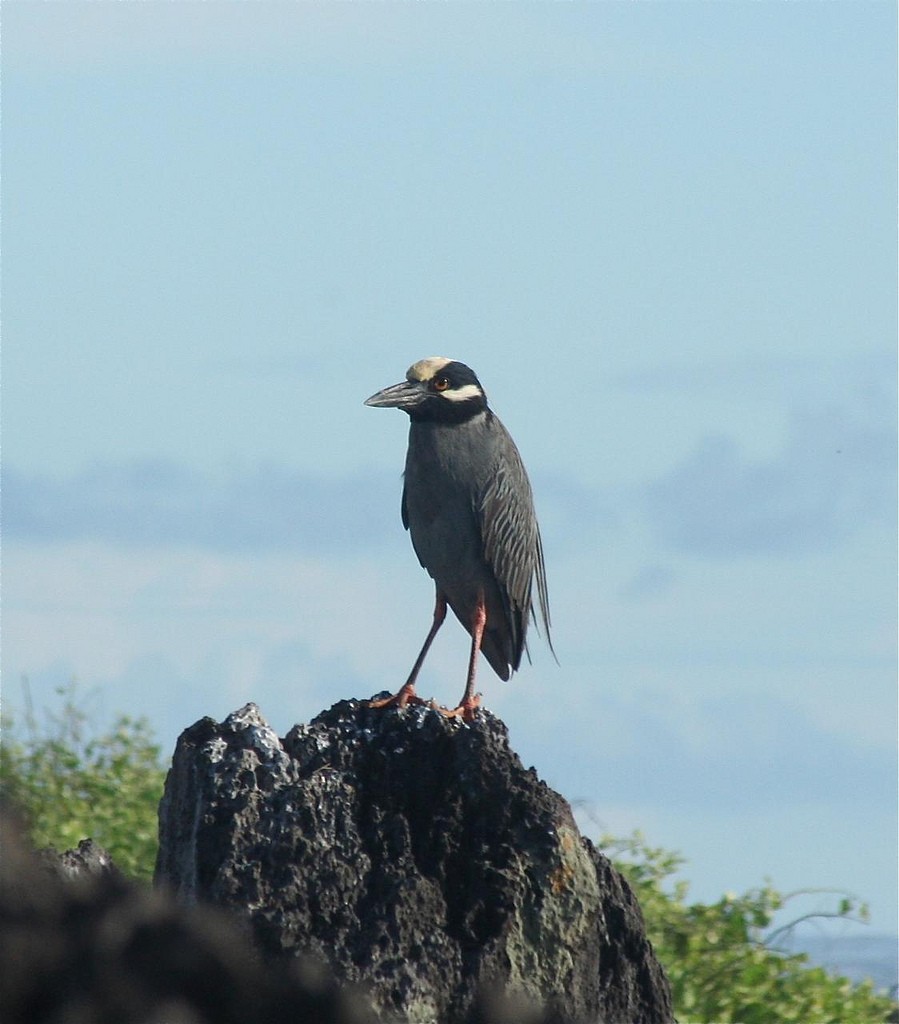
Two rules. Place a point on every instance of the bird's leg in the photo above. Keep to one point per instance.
(407, 694)
(471, 701)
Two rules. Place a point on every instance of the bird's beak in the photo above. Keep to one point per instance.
(405, 395)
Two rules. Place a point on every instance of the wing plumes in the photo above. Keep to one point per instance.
(514, 550)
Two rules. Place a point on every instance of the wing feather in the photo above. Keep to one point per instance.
(512, 544)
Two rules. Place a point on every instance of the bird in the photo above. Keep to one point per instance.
(468, 506)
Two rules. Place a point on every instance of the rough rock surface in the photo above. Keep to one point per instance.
(416, 856)
(80, 944)
(89, 860)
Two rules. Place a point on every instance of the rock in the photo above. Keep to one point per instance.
(417, 857)
(80, 943)
(89, 860)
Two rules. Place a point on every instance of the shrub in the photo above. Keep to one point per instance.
(71, 784)
(720, 965)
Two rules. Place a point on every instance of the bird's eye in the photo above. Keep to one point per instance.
(441, 383)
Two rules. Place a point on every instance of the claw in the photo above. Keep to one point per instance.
(405, 696)
(466, 710)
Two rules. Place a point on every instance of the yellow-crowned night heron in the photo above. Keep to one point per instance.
(468, 506)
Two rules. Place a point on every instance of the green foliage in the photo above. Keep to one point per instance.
(70, 784)
(721, 967)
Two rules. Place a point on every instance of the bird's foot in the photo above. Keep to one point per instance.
(466, 710)
(403, 698)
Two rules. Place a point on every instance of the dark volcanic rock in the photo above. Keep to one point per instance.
(89, 860)
(415, 855)
(80, 944)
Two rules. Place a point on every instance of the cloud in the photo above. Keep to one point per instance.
(161, 503)
(834, 476)
(649, 581)
(732, 753)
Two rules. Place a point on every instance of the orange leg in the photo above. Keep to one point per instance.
(407, 694)
(471, 701)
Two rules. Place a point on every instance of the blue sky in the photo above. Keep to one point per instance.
(664, 237)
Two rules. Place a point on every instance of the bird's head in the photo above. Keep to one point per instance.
(435, 388)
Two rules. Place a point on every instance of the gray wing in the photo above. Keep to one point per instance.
(512, 545)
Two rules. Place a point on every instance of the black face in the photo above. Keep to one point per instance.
(453, 394)
(436, 389)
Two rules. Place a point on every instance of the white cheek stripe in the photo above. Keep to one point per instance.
(462, 394)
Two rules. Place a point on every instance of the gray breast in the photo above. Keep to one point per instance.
(447, 466)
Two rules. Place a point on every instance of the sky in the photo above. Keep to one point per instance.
(663, 235)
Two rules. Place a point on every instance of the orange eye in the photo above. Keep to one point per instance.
(441, 384)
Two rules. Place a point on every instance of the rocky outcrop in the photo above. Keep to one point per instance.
(413, 854)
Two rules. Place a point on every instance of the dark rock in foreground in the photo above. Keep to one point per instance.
(413, 854)
(80, 944)
(89, 861)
